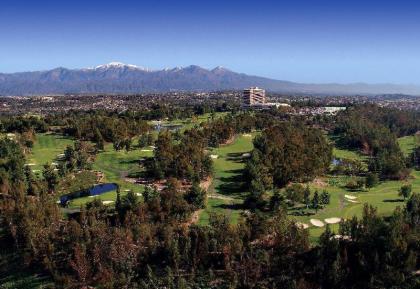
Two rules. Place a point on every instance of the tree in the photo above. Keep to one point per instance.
(196, 196)
(307, 196)
(325, 197)
(315, 201)
(50, 177)
(372, 179)
(412, 210)
(99, 140)
(295, 193)
(277, 201)
(405, 191)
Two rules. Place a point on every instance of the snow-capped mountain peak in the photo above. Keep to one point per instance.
(119, 65)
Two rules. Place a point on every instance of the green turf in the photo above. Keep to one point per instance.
(384, 197)
(76, 182)
(228, 167)
(46, 148)
(116, 165)
(227, 178)
(109, 196)
(408, 143)
(346, 154)
(218, 206)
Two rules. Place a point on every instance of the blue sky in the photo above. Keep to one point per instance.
(306, 41)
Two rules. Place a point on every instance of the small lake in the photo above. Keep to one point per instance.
(93, 191)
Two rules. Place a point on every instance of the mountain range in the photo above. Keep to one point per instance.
(117, 77)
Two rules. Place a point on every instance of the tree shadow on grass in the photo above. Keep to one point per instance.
(301, 213)
(236, 157)
(231, 206)
(393, 200)
(232, 185)
(128, 162)
(300, 210)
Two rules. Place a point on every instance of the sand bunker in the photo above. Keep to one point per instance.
(317, 223)
(36, 171)
(30, 164)
(302, 225)
(332, 220)
(54, 164)
(107, 202)
(139, 195)
(341, 237)
(214, 156)
(350, 197)
(352, 201)
(247, 135)
(145, 150)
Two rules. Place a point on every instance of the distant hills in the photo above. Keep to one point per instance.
(117, 77)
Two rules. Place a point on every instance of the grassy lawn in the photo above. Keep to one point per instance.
(384, 197)
(408, 143)
(116, 165)
(109, 196)
(227, 191)
(227, 183)
(227, 180)
(77, 182)
(346, 154)
(219, 206)
(46, 148)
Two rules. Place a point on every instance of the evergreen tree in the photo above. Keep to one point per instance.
(50, 177)
(325, 197)
(315, 201)
(307, 196)
(372, 180)
(405, 191)
(196, 196)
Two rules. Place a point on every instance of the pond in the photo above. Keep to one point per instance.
(93, 191)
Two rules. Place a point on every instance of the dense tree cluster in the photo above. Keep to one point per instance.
(286, 153)
(22, 124)
(371, 130)
(186, 159)
(100, 127)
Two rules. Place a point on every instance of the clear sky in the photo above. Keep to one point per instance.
(307, 41)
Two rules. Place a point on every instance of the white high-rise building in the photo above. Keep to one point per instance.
(253, 96)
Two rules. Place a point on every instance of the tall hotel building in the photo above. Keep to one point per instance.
(253, 96)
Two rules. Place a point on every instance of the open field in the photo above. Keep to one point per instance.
(346, 154)
(220, 206)
(116, 165)
(408, 143)
(46, 148)
(227, 180)
(384, 196)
